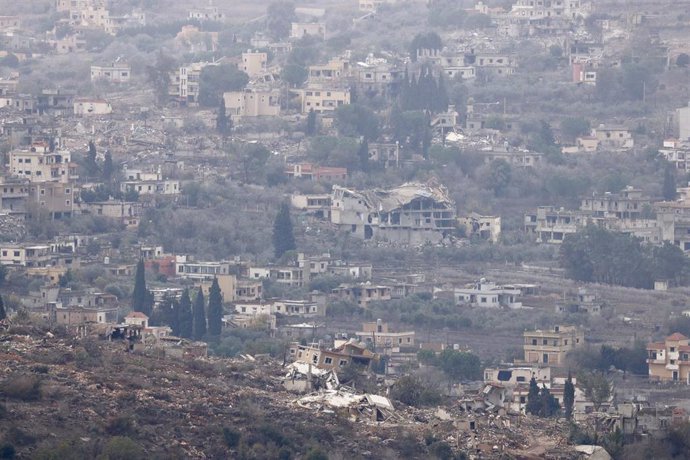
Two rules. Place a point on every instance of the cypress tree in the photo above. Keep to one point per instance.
(223, 123)
(91, 165)
(363, 155)
(141, 298)
(441, 95)
(669, 190)
(569, 396)
(108, 167)
(311, 123)
(185, 320)
(283, 237)
(199, 313)
(215, 309)
(533, 399)
(3, 313)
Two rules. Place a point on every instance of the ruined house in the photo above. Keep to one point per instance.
(412, 213)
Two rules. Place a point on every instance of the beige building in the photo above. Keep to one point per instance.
(550, 347)
(252, 103)
(92, 107)
(669, 361)
(41, 165)
(254, 63)
(613, 137)
(322, 99)
(334, 71)
(378, 334)
(54, 198)
(116, 72)
(303, 29)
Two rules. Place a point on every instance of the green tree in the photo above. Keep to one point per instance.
(596, 387)
(500, 174)
(185, 319)
(363, 155)
(279, 16)
(218, 79)
(460, 365)
(569, 396)
(548, 404)
(413, 391)
(669, 188)
(572, 127)
(141, 297)
(283, 237)
(108, 168)
(122, 448)
(159, 76)
(3, 313)
(533, 400)
(427, 41)
(215, 309)
(252, 158)
(310, 129)
(223, 122)
(355, 120)
(199, 313)
(91, 164)
(294, 74)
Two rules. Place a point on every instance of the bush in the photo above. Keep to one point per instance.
(411, 390)
(23, 387)
(120, 425)
(231, 437)
(122, 448)
(7, 450)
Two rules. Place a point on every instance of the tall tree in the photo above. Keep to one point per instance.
(310, 129)
(3, 313)
(141, 298)
(223, 122)
(669, 190)
(569, 396)
(549, 404)
(283, 237)
(108, 168)
(185, 319)
(199, 313)
(363, 155)
(91, 164)
(215, 309)
(533, 400)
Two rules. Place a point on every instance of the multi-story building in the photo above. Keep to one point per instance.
(551, 225)
(207, 13)
(412, 213)
(333, 72)
(379, 335)
(677, 153)
(377, 76)
(613, 137)
(41, 165)
(187, 268)
(115, 72)
(252, 102)
(54, 198)
(14, 195)
(669, 361)
(629, 204)
(316, 205)
(25, 255)
(682, 121)
(254, 63)
(362, 293)
(487, 294)
(322, 99)
(550, 347)
(316, 173)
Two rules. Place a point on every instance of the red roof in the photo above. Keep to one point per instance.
(675, 337)
(137, 314)
(656, 346)
(684, 348)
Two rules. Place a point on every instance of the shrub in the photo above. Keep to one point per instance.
(122, 448)
(120, 425)
(7, 450)
(231, 437)
(23, 387)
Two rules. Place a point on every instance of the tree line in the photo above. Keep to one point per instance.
(594, 254)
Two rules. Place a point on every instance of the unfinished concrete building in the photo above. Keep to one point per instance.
(412, 213)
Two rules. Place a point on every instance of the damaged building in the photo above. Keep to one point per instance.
(412, 213)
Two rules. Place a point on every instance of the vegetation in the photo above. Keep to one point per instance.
(595, 254)
(283, 237)
(142, 298)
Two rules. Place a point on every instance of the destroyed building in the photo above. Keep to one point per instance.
(412, 213)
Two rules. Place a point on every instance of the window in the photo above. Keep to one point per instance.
(16, 253)
(545, 358)
(328, 361)
(315, 359)
(544, 342)
(520, 379)
(534, 341)
(672, 349)
(343, 362)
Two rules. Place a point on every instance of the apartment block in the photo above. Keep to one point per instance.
(550, 347)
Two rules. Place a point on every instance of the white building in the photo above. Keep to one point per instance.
(117, 72)
(92, 107)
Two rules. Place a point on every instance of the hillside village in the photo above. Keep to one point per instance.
(345, 229)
